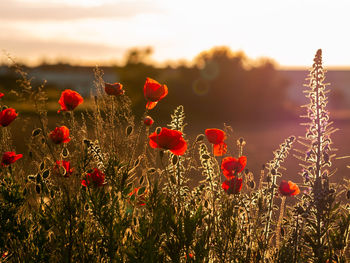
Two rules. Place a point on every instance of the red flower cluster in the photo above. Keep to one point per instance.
(231, 167)
(1, 95)
(97, 178)
(66, 166)
(10, 158)
(148, 121)
(153, 92)
(7, 116)
(60, 135)
(69, 100)
(168, 140)
(217, 137)
(288, 188)
(115, 89)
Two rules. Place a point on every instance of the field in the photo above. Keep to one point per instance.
(95, 183)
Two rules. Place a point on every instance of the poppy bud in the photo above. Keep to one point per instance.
(36, 132)
(46, 174)
(175, 159)
(205, 156)
(65, 152)
(151, 170)
(241, 142)
(31, 177)
(148, 121)
(38, 178)
(137, 162)
(300, 210)
(42, 166)
(128, 130)
(37, 188)
(200, 138)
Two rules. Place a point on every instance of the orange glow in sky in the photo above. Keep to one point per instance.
(85, 31)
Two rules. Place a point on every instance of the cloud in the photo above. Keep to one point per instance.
(15, 10)
(35, 48)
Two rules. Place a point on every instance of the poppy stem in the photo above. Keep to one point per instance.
(112, 122)
(138, 137)
(278, 227)
(10, 170)
(296, 238)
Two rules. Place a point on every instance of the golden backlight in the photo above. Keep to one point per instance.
(100, 31)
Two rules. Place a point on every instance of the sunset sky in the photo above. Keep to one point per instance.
(100, 31)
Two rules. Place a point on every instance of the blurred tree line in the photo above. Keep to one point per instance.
(220, 85)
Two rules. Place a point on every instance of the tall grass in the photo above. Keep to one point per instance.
(124, 201)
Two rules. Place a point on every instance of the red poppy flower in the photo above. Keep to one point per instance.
(233, 186)
(115, 89)
(66, 165)
(7, 116)
(169, 140)
(60, 135)
(217, 137)
(69, 100)
(288, 188)
(190, 255)
(153, 92)
(1, 95)
(9, 158)
(97, 178)
(231, 166)
(148, 121)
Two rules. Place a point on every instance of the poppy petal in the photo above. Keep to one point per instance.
(151, 104)
(215, 136)
(220, 149)
(180, 148)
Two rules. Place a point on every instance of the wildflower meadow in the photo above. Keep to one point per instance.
(106, 186)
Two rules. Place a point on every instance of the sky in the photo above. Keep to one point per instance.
(101, 31)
